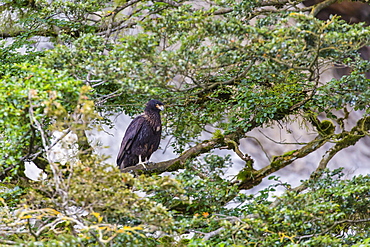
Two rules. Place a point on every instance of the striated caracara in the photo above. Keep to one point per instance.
(142, 136)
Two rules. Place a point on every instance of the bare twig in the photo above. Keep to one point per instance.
(34, 156)
(105, 98)
(216, 232)
(8, 242)
(280, 142)
(30, 230)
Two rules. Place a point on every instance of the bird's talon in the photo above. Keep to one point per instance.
(144, 166)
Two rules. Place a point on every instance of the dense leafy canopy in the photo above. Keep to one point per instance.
(223, 67)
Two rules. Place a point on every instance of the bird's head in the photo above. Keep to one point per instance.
(154, 105)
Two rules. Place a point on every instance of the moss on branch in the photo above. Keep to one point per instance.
(255, 177)
(325, 127)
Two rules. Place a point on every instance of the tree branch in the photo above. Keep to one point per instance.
(348, 139)
(320, 6)
(250, 178)
(179, 162)
(209, 235)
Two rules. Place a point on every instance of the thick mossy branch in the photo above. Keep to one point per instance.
(325, 127)
(346, 139)
(175, 164)
(250, 178)
(179, 162)
(321, 6)
(255, 177)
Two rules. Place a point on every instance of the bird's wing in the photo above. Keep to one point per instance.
(131, 134)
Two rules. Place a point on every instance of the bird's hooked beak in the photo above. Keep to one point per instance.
(160, 107)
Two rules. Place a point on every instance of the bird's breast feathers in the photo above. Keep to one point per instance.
(155, 125)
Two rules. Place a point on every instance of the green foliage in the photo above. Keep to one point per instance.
(83, 200)
(352, 89)
(25, 96)
(233, 70)
(203, 188)
(329, 213)
(232, 66)
(12, 195)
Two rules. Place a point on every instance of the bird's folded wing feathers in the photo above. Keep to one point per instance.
(131, 134)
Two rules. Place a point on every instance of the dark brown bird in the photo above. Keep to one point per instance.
(142, 136)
